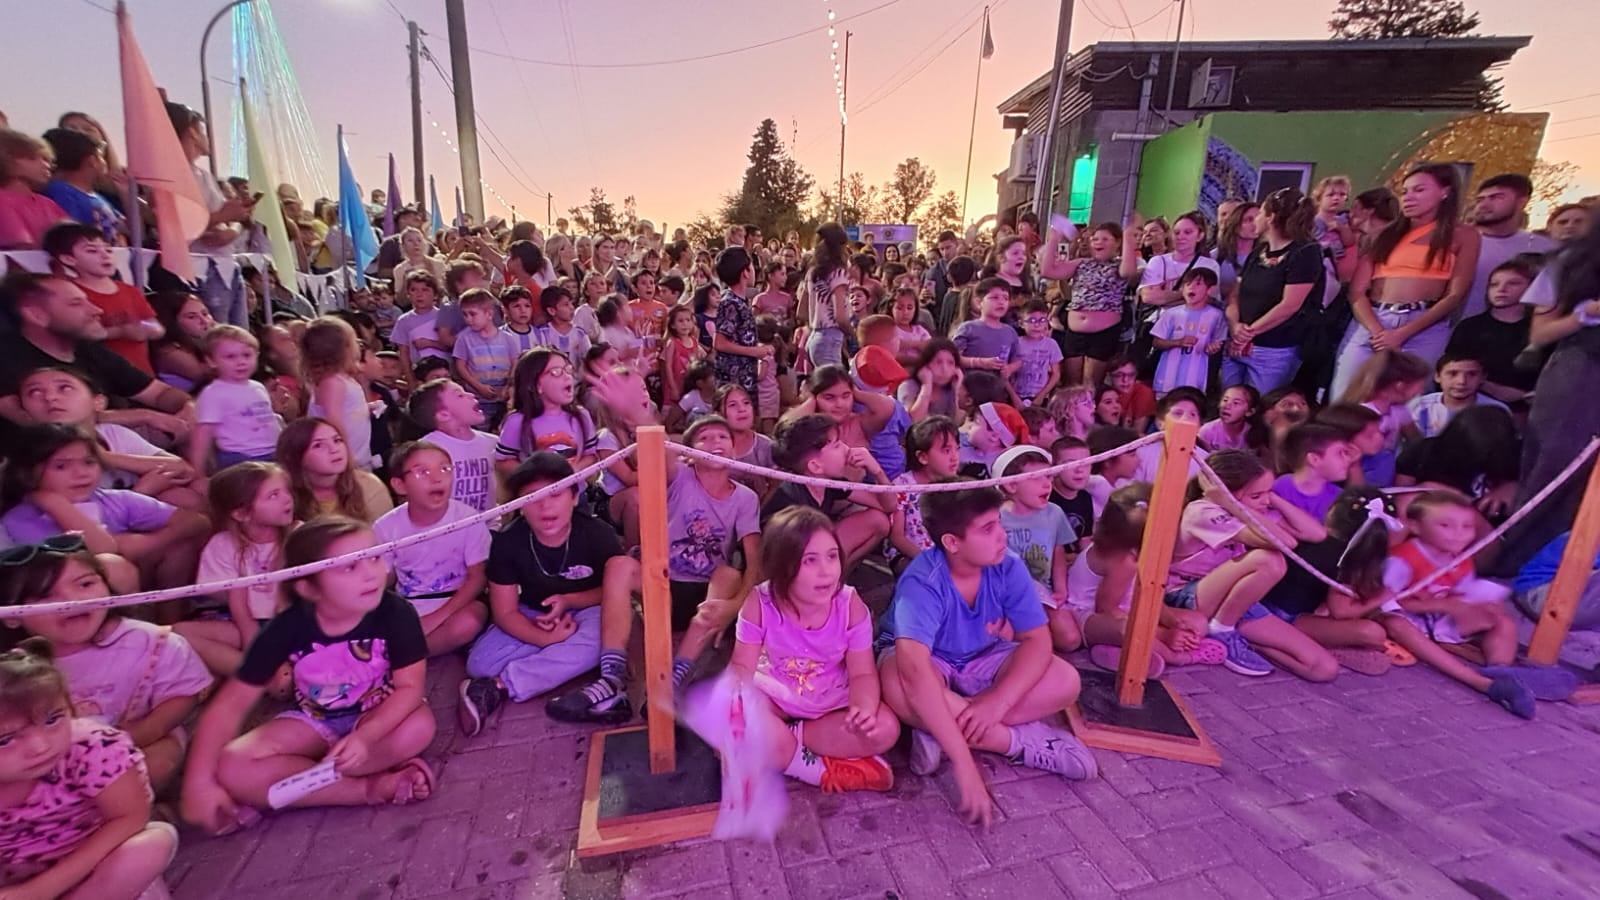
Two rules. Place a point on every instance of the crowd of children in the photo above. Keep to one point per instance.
(503, 378)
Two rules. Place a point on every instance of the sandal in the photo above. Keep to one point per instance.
(1364, 662)
(1209, 652)
(405, 792)
(1398, 655)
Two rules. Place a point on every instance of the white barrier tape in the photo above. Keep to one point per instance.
(249, 581)
(1526, 510)
(936, 487)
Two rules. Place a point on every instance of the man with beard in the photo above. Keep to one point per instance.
(1499, 214)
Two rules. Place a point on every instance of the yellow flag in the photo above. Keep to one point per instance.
(268, 213)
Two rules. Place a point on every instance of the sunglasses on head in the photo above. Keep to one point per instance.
(59, 545)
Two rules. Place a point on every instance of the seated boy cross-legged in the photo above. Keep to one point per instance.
(548, 572)
(948, 670)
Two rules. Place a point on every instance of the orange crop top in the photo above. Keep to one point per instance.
(1409, 259)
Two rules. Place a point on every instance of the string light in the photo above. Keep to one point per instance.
(833, 57)
(454, 149)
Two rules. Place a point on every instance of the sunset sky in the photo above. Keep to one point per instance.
(675, 136)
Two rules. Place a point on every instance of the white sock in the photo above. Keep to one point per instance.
(1016, 742)
(1215, 627)
(805, 765)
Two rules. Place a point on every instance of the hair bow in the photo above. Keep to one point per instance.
(1377, 512)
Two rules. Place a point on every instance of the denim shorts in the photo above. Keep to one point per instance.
(330, 730)
(1185, 598)
(974, 676)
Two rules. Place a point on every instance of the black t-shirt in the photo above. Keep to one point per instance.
(1497, 344)
(1079, 510)
(1266, 273)
(117, 377)
(791, 494)
(1298, 592)
(338, 675)
(517, 558)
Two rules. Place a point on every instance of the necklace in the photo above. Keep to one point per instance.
(561, 568)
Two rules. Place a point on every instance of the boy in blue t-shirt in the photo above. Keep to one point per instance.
(949, 668)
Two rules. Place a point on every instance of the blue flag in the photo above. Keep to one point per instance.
(436, 220)
(353, 215)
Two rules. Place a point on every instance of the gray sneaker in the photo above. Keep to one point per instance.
(1055, 750)
(926, 754)
(1241, 659)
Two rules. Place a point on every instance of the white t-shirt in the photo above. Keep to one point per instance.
(353, 419)
(1165, 270)
(221, 560)
(1150, 463)
(413, 325)
(241, 414)
(473, 461)
(1541, 295)
(427, 574)
(124, 440)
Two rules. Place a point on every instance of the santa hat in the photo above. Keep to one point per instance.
(878, 371)
(1006, 423)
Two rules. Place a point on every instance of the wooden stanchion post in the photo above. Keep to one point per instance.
(652, 468)
(1577, 562)
(1155, 555)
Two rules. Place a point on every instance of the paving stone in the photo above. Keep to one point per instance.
(1335, 865)
(755, 871)
(1028, 880)
(1078, 874)
(854, 875)
(1039, 793)
(665, 873)
(1181, 806)
(871, 829)
(1118, 864)
(1016, 840)
(1175, 852)
(495, 861)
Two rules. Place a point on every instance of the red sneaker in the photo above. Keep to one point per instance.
(841, 774)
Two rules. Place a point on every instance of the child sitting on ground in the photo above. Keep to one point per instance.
(443, 580)
(1109, 474)
(552, 572)
(1043, 431)
(1222, 567)
(1037, 531)
(805, 638)
(1188, 334)
(359, 662)
(1319, 457)
(1181, 404)
(63, 396)
(992, 430)
(121, 672)
(710, 518)
(810, 445)
(1070, 489)
(1385, 384)
(699, 395)
(933, 448)
(1361, 426)
(77, 818)
(1460, 379)
(1238, 423)
(947, 671)
(233, 412)
(1100, 586)
(450, 414)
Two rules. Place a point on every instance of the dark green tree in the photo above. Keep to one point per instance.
(909, 188)
(1368, 20)
(774, 186)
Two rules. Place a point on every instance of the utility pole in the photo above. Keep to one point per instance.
(419, 179)
(844, 120)
(1044, 179)
(466, 119)
(1177, 45)
(550, 210)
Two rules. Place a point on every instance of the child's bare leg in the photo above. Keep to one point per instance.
(459, 629)
(1407, 635)
(282, 747)
(161, 760)
(1101, 628)
(216, 641)
(183, 497)
(1499, 643)
(1289, 647)
(1229, 590)
(1057, 688)
(1364, 634)
(1064, 633)
(995, 739)
(830, 736)
(625, 512)
(715, 613)
(860, 532)
(132, 867)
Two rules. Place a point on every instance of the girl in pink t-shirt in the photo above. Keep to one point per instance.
(128, 674)
(805, 639)
(77, 817)
(1222, 567)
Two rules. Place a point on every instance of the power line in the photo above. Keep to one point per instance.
(533, 102)
(1568, 99)
(930, 61)
(572, 63)
(493, 138)
(104, 9)
(1575, 119)
(913, 59)
(1573, 137)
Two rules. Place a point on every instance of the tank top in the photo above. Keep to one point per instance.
(353, 419)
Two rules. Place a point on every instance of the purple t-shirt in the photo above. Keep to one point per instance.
(1314, 505)
(117, 512)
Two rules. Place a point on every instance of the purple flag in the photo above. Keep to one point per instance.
(392, 201)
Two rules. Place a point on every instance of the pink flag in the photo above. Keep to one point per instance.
(156, 159)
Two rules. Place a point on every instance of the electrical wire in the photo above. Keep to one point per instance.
(533, 102)
(105, 9)
(882, 95)
(1552, 102)
(1572, 137)
(915, 57)
(494, 138)
(685, 59)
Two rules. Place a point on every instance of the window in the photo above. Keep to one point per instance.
(1278, 175)
(1080, 200)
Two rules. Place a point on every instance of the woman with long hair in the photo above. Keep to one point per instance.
(1280, 277)
(178, 355)
(1418, 273)
(1155, 238)
(1564, 416)
(1235, 239)
(826, 302)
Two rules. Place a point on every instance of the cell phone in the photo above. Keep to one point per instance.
(256, 198)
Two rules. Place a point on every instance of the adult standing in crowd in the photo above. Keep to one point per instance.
(1405, 292)
(1282, 274)
(1499, 214)
(737, 352)
(25, 165)
(828, 292)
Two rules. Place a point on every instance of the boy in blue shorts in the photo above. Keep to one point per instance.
(966, 657)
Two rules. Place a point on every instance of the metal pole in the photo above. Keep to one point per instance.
(419, 180)
(466, 119)
(844, 104)
(1044, 178)
(549, 210)
(205, 86)
(972, 130)
(1177, 45)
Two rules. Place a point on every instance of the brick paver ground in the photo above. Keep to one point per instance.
(1403, 786)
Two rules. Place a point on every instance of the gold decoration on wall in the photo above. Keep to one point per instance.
(1490, 143)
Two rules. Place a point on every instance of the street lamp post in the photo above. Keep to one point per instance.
(205, 85)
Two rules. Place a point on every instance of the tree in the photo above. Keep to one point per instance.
(910, 187)
(861, 201)
(944, 213)
(1551, 181)
(1371, 20)
(703, 231)
(598, 216)
(774, 185)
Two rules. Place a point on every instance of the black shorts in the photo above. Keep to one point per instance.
(1097, 345)
(686, 599)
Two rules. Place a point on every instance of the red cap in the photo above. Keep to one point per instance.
(877, 370)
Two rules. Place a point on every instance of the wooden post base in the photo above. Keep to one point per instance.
(626, 807)
(1161, 726)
